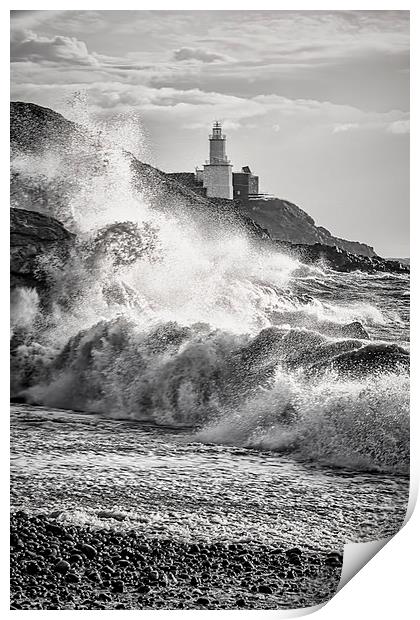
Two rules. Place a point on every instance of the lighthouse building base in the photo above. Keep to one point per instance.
(217, 179)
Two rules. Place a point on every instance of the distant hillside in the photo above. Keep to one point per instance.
(404, 261)
(341, 260)
(286, 221)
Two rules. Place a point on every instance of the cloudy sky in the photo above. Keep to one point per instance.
(317, 103)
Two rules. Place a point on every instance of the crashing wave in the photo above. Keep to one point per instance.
(266, 391)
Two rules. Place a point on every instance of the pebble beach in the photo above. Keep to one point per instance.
(61, 566)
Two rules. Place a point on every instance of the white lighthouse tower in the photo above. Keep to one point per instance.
(217, 173)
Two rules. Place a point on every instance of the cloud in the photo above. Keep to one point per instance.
(352, 57)
(378, 122)
(31, 19)
(339, 127)
(202, 55)
(28, 46)
(399, 127)
(194, 108)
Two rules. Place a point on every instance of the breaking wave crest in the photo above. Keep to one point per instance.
(357, 424)
(337, 402)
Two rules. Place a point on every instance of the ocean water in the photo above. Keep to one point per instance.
(165, 483)
(190, 382)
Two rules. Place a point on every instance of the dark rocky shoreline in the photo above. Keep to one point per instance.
(340, 259)
(35, 234)
(57, 565)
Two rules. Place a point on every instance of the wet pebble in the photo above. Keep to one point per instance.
(88, 550)
(32, 568)
(334, 560)
(62, 566)
(117, 585)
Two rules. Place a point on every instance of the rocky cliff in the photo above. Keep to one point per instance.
(339, 259)
(286, 221)
(34, 235)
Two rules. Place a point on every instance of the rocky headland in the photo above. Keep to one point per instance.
(36, 130)
(341, 260)
(287, 222)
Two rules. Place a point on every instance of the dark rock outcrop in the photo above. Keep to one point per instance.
(33, 235)
(341, 260)
(188, 179)
(286, 221)
(33, 127)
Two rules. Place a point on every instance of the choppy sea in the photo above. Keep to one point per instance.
(313, 460)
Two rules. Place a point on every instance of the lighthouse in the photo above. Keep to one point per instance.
(217, 173)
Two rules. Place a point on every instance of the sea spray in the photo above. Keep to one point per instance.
(25, 304)
(359, 424)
